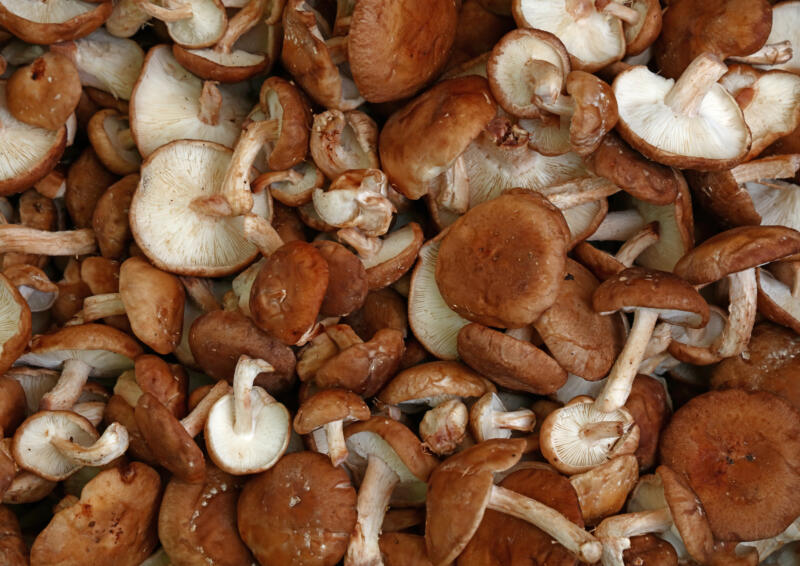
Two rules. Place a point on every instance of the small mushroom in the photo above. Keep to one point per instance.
(110, 218)
(488, 418)
(444, 427)
(357, 200)
(341, 141)
(110, 136)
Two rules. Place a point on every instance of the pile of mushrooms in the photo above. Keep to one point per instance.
(399, 282)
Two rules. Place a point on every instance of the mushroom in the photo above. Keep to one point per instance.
(782, 31)
(602, 491)
(651, 408)
(385, 259)
(452, 519)
(347, 280)
(56, 444)
(193, 25)
(341, 141)
(736, 253)
(292, 187)
(15, 324)
(323, 416)
(488, 418)
(80, 351)
(13, 550)
(112, 523)
(110, 218)
(110, 136)
(746, 441)
(60, 20)
(389, 458)
(317, 507)
(690, 123)
(443, 428)
(694, 346)
(639, 36)
(357, 200)
(247, 431)
(87, 180)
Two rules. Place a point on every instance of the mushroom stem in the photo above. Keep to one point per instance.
(266, 179)
(200, 291)
(68, 388)
(618, 226)
(110, 446)
(373, 500)
(562, 105)
(688, 92)
(247, 369)
(547, 81)
(659, 340)
(523, 420)
(364, 245)
(344, 13)
(619, 11)
(615, 532)
(601, 430)
(92, 411)
(210, 103)
(102, 306)
(576, 540)
(21, 239)
(172, 12)
(770, 54)
(337, 448)
(620, 380)
(257, 230)
(193, 422)
(337, 49)
(777, 167)
(742, 296)
(241, 23)
(452, 187)
(642, 240)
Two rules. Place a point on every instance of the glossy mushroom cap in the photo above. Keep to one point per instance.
(434, 382)
(327, 406)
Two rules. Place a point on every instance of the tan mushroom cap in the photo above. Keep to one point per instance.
(114, 522)
(110, 218)
(396, 256)
(650, 550)
(347, 285)
(118, 410)
(65, 20)
(197, 521)
(44, 93)
(167, 382)
(505, 239)
(403, 549)
(509, 362)
(582, 341)
(434, 382)
(219, 337)
(109, 134)
(13, 407)
(420, 141)
(327, 406)
(394, 48)
(738, 452)
(15, 324)
(288, 291)
(13, 550)
(736, 250)
(317, 507)
(649, 405)
(285, 102)
(688, 514)
(602, 491)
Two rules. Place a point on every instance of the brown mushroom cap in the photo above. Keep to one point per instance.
(299, 512)
(109, 134)
(218, 338)
(502, 539)
(15, 324)
(167, 382)
(650, 550)
(285, 102)
(110, 218)
(421, 140)
(648, 404)
(736, 250)
(384, 308)
(69, 21)
(771, 363)
(45, 92)
(329, 405)
(288, 291)
(197, 521)
(347, 280)
(688, 514)
(511, 363)
(434, 382)
(739, 453)
(13, 550)
(13, 407)
(114, 522)
(505, 239)
(403, 549)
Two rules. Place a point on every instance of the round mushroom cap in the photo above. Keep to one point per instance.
(433, 383)
(739, 453)
(298, 513)
(44, 93)
(15, 324)
(736, 250)
(347, 280)
(509, 362)
(676, 300)
(197, 521)
(771, 363)
(219, 337)
(113, 523)
(502, 539)
(396, 46)
(108, 351)
(174, 236)
(110, 219)
(289, 290)
(109, 134)
(504, 240)
(420, 141)
(327, 406)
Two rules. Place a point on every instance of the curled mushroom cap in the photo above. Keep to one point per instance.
(110, 135)
(44, 24)
(738, 452)
(15, 324)
(317, 513)
(114, 522)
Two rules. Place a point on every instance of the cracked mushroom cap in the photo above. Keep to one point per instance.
(62, 20)
(327, 406)
(422, 140)
(299, 512)
(736, 250)
(165, 89)
(505, 239)
(738, 451)
(197, 521)
(509, 362)
(173, 235)
(396, 47)
(15, 324)
(113, 522)
(433, 383)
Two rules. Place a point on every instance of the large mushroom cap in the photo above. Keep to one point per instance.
(739, 453)
(329, 405)
(15, 324)
(114, 522)
(396, 46)
(51, 22)
(299, 512)
(505, 239)
(174, 236)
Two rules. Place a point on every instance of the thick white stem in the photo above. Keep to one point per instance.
(691, 88)
(618, 226)
(523, 420)
(110, 446)
(258, 231)
(337, 448)
(66, 392)
(247, 369)
(742, 296)
(194, 422)
(236, 184)
(642, 240)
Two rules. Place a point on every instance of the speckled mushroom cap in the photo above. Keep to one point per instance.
(421, 140)
(114, 522)
(636, 287)
(299, 512)
(395, 47)
(505, 239)
(329, 405)
(739, 452)
(736, 250)
(434, 382)
(197, 521)
(15, 324)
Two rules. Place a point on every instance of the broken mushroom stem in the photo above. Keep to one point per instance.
(210, 103)
(615, 532)
(247, 369)
(193, 422)
(21, 239)
(373, 500)
(635, 245)
(742, 297)
(171, 11)
(688, 92)
(241, 23)
(111, 445)
(773, 167)
(102, 306)
(575, 539)
(618, 226)
(63, 396)
(770, 54)
(337, 447)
